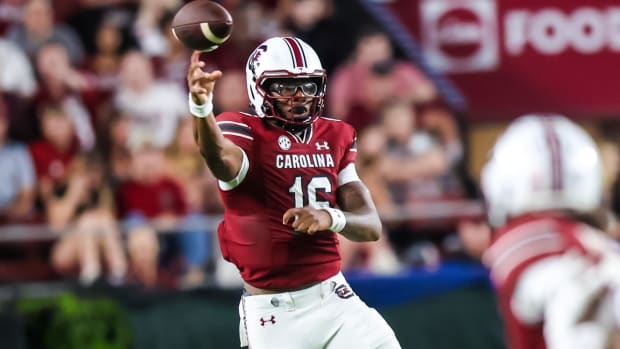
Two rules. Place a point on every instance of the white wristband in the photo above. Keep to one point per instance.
(338, 219)
(201, 111)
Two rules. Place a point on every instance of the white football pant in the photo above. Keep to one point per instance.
(327, 315)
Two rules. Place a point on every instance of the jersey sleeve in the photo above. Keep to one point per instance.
(235, 128)
(346, 171)
(350, 146)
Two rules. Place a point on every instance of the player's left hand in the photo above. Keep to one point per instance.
(307, 220)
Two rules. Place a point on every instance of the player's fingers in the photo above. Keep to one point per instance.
(197, 72)
(191, 73)
(195, 58)
(303, 223)
(302, 226)
(198, 90)
(215, 75)
(289, 215)
(194, 75)
(197, 85)
(314, 227)
(296, 223)
(206, 78)
(195, 66)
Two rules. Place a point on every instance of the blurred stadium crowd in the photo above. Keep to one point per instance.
(98, 160)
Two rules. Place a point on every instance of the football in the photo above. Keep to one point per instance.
(202, 25)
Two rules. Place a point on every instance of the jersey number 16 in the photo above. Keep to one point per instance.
(310, 196)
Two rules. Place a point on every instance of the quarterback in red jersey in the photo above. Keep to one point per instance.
(288, 182)
(555, 274)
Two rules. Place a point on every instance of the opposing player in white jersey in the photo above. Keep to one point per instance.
(288, 182)
(555, 274)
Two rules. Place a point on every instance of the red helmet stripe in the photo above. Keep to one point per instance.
(553, 143)
(296, 52)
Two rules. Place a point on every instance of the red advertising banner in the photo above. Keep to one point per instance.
(510, 57)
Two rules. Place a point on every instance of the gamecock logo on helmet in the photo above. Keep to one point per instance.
(253, 61)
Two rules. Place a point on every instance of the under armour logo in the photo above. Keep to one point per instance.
(272, 319)
(344, 292)
(323, 146)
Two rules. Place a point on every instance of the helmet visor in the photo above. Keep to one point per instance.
(288, 88)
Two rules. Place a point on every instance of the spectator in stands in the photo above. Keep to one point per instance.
(57, 75)
(150, 201)
(172, 64)
(442, 123)
(18, 86)
(104, 67)
(63, 85)
(81, 208)
(378, 257)
(106, 59)
(371, 78)
(28, 259)
(54, 153)
(417, 171)
(17, 176)
(554, 272)
(38, 28)
(75, 199)
(372, 147)
(154, 107)
(186, 166)
(415, 163)
(189, 169)
(88, 17)
(148, 28)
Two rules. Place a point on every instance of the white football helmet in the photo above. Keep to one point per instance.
(542, 162)
(284, 58)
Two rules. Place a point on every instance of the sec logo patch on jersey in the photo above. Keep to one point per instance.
(284, 143)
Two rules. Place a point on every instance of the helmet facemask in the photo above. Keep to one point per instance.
(287, 94)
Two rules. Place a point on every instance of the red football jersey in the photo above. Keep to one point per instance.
(285, 171)
(522, 242)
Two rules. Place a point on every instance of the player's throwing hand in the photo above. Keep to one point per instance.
(200, 83)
